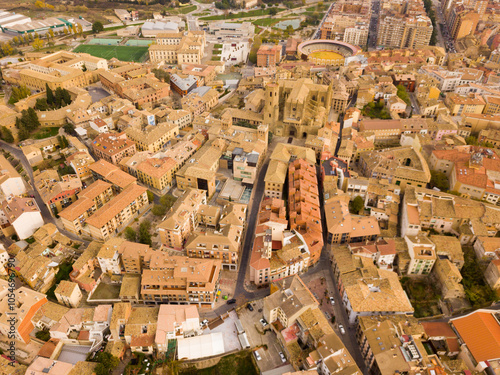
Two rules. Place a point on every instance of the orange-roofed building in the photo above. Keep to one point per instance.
(480, 333)
(303, 202)
(269, 55)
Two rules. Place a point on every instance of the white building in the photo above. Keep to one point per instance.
(422, 252)
(22, 214)
(234, 53)
(11, 182)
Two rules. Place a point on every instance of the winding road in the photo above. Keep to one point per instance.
(47, 217)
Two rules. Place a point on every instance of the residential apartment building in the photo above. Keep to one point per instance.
(152, 138)
(343, 227)
(223, 245)
(57, 192)
(112, 174)
(113, 147)
(157, 173)
(459, 104)
(182, 219)
(268, 55)
(80, 162)
(304, 209)
(89, 201)
(181, 280)
(367, 290)
(422, 252)
(115, 215)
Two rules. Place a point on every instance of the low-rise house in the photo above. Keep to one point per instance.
(492, 274)
(442, 338)
(487, 247)
(382, 251)
(84, 267)
(448, 278)
(49, 366)
(36, 270)
(152, 137)
(68, 293)
(174, 323)
(140, 329)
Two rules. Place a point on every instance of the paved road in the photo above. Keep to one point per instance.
(47, 217)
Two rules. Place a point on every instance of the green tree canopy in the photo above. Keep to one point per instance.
(97, 27)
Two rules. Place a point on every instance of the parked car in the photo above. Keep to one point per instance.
(263, 322)
(249, 307)
(332, 301)
(257, 356)
(341, 329)
(283, 358)
(204, 322)
(231, 301)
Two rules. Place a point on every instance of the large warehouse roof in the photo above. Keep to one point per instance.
(200, 346)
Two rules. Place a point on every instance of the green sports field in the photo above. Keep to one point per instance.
(123, 53)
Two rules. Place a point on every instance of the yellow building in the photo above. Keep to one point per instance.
(178, 48)
(492, 105)
(157, 173)
(460, 104)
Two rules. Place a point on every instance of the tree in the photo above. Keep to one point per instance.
(38, 44)
(471, 140)
(41, 104)
(402, 94)
(69, 128)
(19, 93)
(7, 135)
(273, 11)
(168, 201)
(151, 196)
(159, 210)
(130, 234)
(144, 236)
(79, 29)
(439, 180)
(50, 94)
(7, 49)
(357, 204)
(162, 75)
(51, 33)
(33, 118)
(97, 27)
(43, 335)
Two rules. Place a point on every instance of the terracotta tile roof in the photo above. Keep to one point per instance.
(481, 333)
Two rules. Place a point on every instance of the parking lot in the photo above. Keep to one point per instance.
(270, 358)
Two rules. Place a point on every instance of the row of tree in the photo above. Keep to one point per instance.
(19, 93)
(53, 100)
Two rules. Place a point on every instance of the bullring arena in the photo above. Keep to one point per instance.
(326, 52)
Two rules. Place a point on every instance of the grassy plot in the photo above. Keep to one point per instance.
(252, 13)
(45, 133)
(182, 10)
(123, 53)
(239, 363)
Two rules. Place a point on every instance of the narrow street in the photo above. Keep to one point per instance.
(47, 217)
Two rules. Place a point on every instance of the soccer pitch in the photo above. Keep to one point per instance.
(123, 53)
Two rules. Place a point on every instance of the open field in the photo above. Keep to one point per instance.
(181, 10)
(326, 55)
(123, 53)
